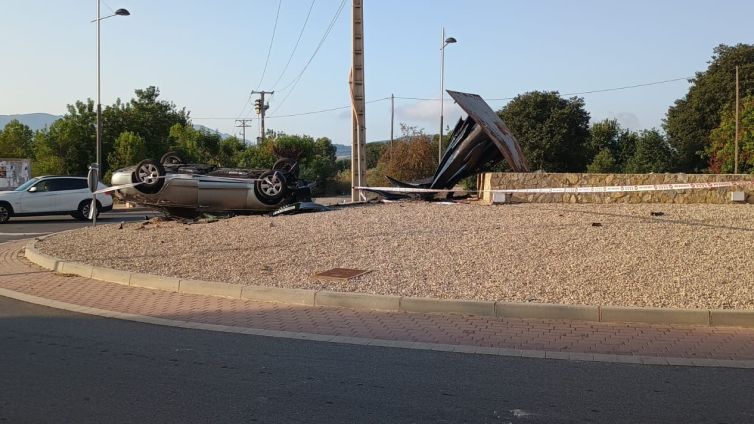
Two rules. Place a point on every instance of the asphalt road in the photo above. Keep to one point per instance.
(31, 226)
(59, 366)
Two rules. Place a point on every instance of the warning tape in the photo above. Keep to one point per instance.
(557, 190)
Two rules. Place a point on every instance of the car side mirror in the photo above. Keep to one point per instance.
(33, 189)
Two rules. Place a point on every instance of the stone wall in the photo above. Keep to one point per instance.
(512, 180)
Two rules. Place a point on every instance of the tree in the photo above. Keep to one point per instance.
(321, 166)
(145, 115)
(230, 151)
(257, 156)
(411, 157)
(620, 142)
(553, 131)
(603, 162)
(653, 154)
(721, 151)
(690, 121)
(67, 146)
(128, 149)
(16, 140)
(197, 145)
(374, 152)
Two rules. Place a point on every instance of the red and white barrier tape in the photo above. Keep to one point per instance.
(559, 190)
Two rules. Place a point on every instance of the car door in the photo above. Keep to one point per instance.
(39, 198)
(71, 192)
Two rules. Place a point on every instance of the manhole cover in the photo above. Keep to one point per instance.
(340, 274)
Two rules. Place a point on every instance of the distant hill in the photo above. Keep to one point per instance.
(342, 151)
(35, 121)
(201, 127)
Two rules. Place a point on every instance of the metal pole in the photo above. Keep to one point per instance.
(261, 125)
(99, 104)
(735, 148)
(442, 93)
(392, 118)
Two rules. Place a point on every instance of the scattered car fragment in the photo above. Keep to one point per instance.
(480, 139)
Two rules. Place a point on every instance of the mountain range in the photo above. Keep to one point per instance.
(35, 121)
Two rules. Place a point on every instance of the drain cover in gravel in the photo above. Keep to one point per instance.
(340, 274)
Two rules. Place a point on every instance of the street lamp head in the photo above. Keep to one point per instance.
(124, 12)
(450, 40)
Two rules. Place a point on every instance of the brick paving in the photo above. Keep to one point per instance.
(553, 336)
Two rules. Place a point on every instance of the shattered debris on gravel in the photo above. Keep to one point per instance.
(692, 256)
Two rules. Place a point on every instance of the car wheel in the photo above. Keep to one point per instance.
(82, 213)
(150, 174)
(171, 158)
(5, 213)
(287, 166)
(271, 187)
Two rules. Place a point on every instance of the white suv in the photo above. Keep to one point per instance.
(52, 195)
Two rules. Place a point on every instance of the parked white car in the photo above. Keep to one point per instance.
(52, 195)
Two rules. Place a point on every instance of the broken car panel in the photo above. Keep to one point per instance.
(482, 138)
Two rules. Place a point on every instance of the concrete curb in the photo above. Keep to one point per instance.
(606, 313)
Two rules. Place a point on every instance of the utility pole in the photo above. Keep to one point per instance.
(261, 107)
(358, 104)
(243, 123)
(392, 117)
(735, 166)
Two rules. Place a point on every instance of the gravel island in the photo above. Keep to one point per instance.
(646, 255)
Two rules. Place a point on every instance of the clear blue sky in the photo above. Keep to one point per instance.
(208, 56)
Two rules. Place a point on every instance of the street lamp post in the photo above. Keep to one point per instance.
(119, 12)
(445, 42)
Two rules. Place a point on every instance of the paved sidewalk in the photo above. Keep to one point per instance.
(631, 343)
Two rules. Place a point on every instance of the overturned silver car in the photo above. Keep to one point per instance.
(184, 189)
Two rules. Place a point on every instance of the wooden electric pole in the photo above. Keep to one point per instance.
(261, 107)
(358, 105)
(243, 124)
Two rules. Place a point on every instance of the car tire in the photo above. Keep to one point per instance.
(150, 174)
(6, 211)
(171, 158)
(271, 187)
(82, 212)
(287, 166)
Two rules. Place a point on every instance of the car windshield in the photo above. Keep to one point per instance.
(27, 184)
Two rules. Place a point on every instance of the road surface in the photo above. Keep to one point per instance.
(60, 366)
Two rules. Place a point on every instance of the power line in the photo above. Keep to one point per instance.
(324, 110)
(243, 109)
(295, 81)
(272, 39)
(208, 118)
(570, 94)
(436, 99)
(301, 33)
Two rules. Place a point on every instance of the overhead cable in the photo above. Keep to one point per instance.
(295, 81)
(569, 94)
(301, 33)
(272, 39)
